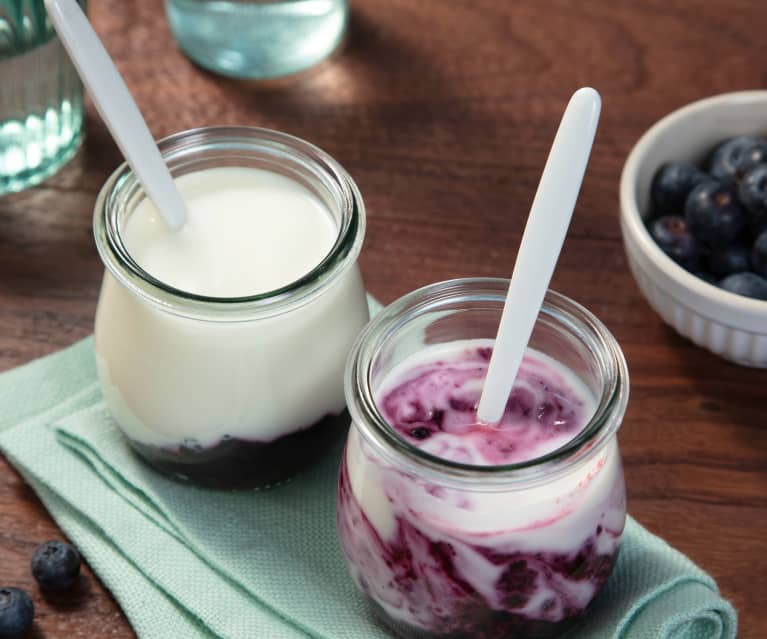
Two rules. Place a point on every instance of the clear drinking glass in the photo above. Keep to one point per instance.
(41, 100)
(258, 39)
(444, 549)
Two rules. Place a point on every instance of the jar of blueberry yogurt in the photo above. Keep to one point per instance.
(221, 347)
(454, 528)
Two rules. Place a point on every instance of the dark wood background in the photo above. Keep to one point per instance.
(443, 112)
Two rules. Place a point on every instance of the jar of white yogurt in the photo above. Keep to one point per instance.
(455, 528)
(221, 347)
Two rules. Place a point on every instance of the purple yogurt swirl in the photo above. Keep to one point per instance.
(440, 560)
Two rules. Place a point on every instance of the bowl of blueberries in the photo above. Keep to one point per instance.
(693, 198)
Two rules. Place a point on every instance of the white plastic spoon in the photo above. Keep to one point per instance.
(117, 108)
(541, 244)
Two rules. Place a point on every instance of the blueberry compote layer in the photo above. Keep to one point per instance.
(441, 559)
(242, 463)
(433, 405)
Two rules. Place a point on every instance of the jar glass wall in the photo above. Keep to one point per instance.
(230, 392)
(446, 549)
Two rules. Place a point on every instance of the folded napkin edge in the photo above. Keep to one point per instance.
(714, 605)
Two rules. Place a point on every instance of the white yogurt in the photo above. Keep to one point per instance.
(169, 378)
(249, 231)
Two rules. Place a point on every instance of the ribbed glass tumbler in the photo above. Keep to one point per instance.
(41, 100)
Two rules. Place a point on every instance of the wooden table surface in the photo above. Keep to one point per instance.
(443, 113)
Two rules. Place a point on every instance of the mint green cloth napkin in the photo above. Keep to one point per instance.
(189, 563)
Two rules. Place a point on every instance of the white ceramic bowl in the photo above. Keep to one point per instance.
(730, 325)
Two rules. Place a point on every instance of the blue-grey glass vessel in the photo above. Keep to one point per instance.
(41, 97)
(258, 39)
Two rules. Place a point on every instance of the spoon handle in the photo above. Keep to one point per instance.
(541, 244)
(117, 108)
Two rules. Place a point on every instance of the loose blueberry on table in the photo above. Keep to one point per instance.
(55, 565)
(16, 613)
(712, 220)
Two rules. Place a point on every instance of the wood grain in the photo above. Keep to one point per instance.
(443, 112)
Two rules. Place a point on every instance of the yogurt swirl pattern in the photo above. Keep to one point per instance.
(440, 561)
(434, 407)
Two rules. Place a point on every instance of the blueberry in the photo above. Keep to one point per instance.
(16, 613)
(462, 405)
(759, 255)
(747, 283)
(753, 194)
(706, 276)
(714, 214)
(672, 184)
(485, 352)
(673, 236)
(517, 584)
(733, 158)
(420, 432)
(55, 565)
(729, 259)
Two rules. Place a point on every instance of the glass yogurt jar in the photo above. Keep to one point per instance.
(453, 528)
(221, 349)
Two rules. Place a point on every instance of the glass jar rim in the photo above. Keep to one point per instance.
(179, 149)
(570, 315)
